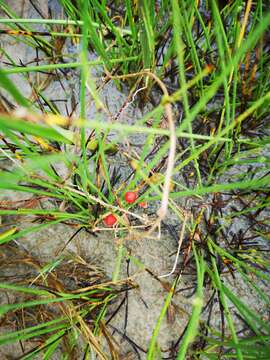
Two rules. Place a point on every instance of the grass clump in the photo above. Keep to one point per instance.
(199, 153)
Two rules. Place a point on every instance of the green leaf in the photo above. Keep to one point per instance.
(9, 123)
(13, 91)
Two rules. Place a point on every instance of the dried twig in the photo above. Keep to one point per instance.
(178, 249)
(162, 211)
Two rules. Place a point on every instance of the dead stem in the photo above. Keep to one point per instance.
(162, 211)
(179, 247)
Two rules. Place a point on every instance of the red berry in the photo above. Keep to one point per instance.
(130, 197)
(110, 220)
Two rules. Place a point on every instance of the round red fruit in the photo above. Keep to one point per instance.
(130, 197)
(110, 220)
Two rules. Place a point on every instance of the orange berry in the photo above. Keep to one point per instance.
(130, 197)
(143, 204)
(110, 220)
